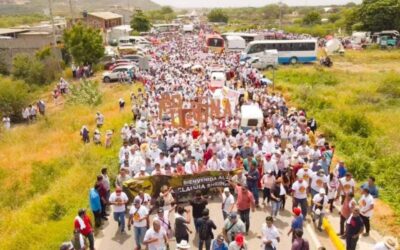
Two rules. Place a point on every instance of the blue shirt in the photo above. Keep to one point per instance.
(297, 223)
(373, 190)
(94, 199)
(342, 171)
(215, 246)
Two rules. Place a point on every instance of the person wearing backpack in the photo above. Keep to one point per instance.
(206, 225)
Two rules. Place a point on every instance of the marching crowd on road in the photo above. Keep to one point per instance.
(283, 159)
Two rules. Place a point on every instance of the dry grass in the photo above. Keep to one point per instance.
(46, 171)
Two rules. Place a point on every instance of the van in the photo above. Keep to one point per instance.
(268, 60)
(252, 116)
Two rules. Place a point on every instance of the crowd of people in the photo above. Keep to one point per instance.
(283, 159)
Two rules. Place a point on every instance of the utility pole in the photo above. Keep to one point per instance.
(71, 11)
(280, 15)
(52, 22)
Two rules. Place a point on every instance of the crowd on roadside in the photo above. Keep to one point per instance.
(283, 159)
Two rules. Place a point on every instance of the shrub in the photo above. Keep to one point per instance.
(85, 92)
(40, 69)
(390, 86)
(14, 95)
(355, 123)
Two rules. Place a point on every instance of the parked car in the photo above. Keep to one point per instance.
(113, 75)
(132, 58)
(110, 65)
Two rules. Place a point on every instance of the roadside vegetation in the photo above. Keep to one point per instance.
(46, 171)
(357, 106)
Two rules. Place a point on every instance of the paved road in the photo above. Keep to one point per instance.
(109, 239)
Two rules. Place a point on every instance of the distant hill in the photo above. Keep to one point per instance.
(9, 7)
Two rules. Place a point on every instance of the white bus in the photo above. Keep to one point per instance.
(248, 37)
(289, 51)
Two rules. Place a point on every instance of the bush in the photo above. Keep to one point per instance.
(355, 123)
(390, 86)
(86, 92)
(41, 69)
(14, 95)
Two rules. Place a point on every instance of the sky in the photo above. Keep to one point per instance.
(245, 3)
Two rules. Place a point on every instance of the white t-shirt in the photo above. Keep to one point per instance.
(160, 243)
(137, 214)
(118, 198)
(270, 233)
(317, 182)
(300, 190)
(346, 185)
(228, 202)
(365, 202)
(146, 199)
(323, 200)
(304, 173)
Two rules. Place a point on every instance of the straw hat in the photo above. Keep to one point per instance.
(390, 242)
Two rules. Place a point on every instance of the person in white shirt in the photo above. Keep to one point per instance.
(7, 122)
(123, 150)
(155, 237)
(320, 201)
(304, 173)
(318, 180)
(270, 234)
(366, 203)
(157, 170)
(139, 217)
(144, 198)
(299, 189)
(214, 164)
(191, 166)
(228, 164)
(99, 119)
(270, 165)
(118, 200)
(228, 202)
(346, 185)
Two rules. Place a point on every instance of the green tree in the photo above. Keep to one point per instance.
(312, 18)
(140, 22)
(217, 15)
(85, 44)
(14, 95)
(43, 68)
(378, 15)
(333, 17)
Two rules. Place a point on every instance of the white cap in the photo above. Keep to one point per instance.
(143, 168)
(322, 191)
(226, 190)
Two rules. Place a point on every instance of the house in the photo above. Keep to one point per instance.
(103, 20)
(14, 41)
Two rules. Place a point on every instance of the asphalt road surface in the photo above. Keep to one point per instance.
(108, 238)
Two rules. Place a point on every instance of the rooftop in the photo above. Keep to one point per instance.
(5, 31)
(105, 15)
